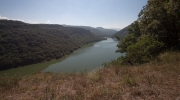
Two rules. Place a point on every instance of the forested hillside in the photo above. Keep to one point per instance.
(91, 29)
(122, 33)
(22, 44)
(99, 31)
(107, 32)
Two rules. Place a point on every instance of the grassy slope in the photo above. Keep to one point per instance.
(158, 80)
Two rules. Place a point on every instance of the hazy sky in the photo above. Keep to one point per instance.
(95, 13)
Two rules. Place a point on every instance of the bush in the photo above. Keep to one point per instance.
(143, 51)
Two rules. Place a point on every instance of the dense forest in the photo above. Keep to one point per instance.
(22, 44)
(156, 30)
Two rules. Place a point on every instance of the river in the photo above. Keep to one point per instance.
(88, 58)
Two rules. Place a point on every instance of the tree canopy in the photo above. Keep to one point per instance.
(160, 19)
(22, 44)
(157, 29)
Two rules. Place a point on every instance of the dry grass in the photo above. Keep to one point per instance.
(154, 81)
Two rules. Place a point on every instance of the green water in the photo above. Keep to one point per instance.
(89, 57)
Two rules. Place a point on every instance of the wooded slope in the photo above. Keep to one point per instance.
(22, 44)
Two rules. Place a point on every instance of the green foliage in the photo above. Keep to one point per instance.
(160, 19)
(125, 42)
(131, 37)
(134, 29)
(157, 29)
(23, 44)
(144, 50)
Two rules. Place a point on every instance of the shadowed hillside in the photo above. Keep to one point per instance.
(91, 29)
(108, 32)
(99, 31)
(122, 33)
(22, 44)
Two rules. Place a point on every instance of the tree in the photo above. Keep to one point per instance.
(139, 49)
(131, 38)
(156, 30)
(143, 50)
(160, 19)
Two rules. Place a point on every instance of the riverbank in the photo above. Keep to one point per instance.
(153, 81)
(34, 68)
(88, 57)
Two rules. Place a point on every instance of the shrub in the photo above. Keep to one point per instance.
(143, 51)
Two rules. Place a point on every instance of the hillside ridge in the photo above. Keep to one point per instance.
(23, 44)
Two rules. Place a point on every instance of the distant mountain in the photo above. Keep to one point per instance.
(99, 31)
(91, 29)
(117, 29)
(108, 32)
(122, 33)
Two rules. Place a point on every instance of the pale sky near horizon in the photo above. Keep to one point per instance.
(95, 13)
